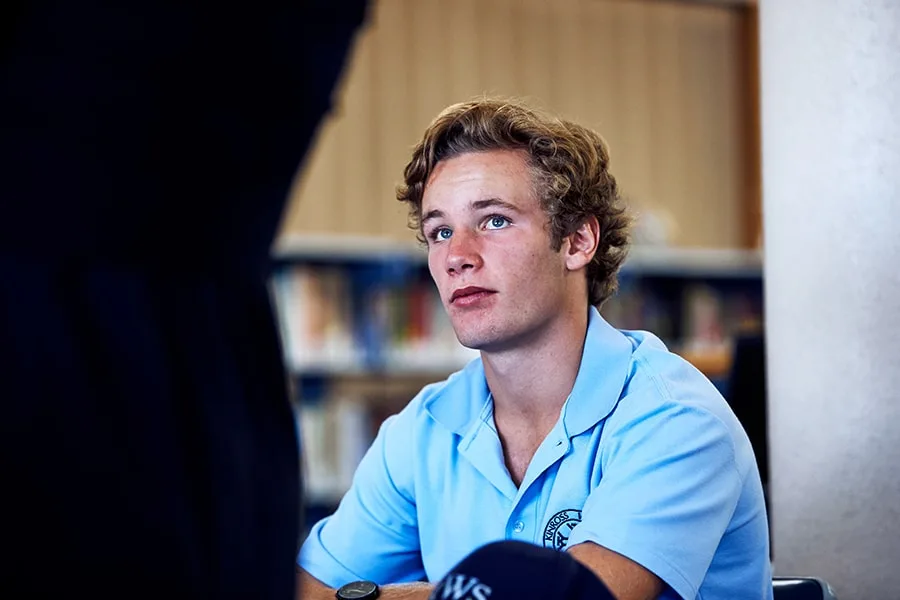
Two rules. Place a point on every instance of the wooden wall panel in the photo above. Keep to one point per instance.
(669, 157)
(315, 186)
(500, 40)
(662, 81)
(752, 128)
(358, 169)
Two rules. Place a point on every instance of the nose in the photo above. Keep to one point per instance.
(463, 253)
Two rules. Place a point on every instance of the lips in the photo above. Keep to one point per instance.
(469, 292)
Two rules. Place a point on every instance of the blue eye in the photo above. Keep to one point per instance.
(497, 222)
(441, 233)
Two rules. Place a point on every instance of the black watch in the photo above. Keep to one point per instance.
(358, 590)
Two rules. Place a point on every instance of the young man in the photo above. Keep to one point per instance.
(566, 432)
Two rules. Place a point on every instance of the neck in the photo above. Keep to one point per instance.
(530, 383)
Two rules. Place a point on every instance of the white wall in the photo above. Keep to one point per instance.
(831, 203)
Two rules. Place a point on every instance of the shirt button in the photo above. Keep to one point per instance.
(518, 526)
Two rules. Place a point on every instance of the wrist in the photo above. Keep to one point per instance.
(358, 590)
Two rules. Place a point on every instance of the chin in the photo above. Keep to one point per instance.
(497, 337)
(482, 340)
(471, 342)
(476, 340)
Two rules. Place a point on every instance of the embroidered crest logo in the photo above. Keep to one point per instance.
(560, 525)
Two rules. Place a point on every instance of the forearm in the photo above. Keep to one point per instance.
(407, 591)
(310, 588)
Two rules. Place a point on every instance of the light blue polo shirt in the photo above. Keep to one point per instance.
(646, 459)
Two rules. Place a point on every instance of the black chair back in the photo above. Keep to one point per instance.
(802, 588)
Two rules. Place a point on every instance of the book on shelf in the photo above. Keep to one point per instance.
(314, 311)
(697, 319)
(638, 306)
(334, 435)
(331, 321)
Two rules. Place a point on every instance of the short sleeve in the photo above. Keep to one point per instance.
(374, 532)
(668, 490)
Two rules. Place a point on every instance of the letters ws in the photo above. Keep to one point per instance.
(463, 587)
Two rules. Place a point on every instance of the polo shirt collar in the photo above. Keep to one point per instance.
(605, 366)
(463, 400)
(604, 369)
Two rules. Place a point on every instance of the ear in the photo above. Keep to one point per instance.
(581, 245)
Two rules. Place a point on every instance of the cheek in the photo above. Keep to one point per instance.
(539, 270)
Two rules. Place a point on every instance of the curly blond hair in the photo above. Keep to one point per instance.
(571, 174)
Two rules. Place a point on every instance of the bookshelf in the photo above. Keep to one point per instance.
(363, 329)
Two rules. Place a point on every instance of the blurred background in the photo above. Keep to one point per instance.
(148, 149)
(673, 88)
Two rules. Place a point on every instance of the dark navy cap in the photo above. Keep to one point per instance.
(516, 570)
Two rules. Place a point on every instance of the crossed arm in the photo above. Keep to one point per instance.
(310, 588)
(626, 579)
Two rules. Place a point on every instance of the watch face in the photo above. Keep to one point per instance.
(358, 589)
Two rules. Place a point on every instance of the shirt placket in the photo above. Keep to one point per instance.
(523, 523)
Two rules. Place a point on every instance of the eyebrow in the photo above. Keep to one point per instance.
(432, 214)
(477, 205)
(494, 202)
